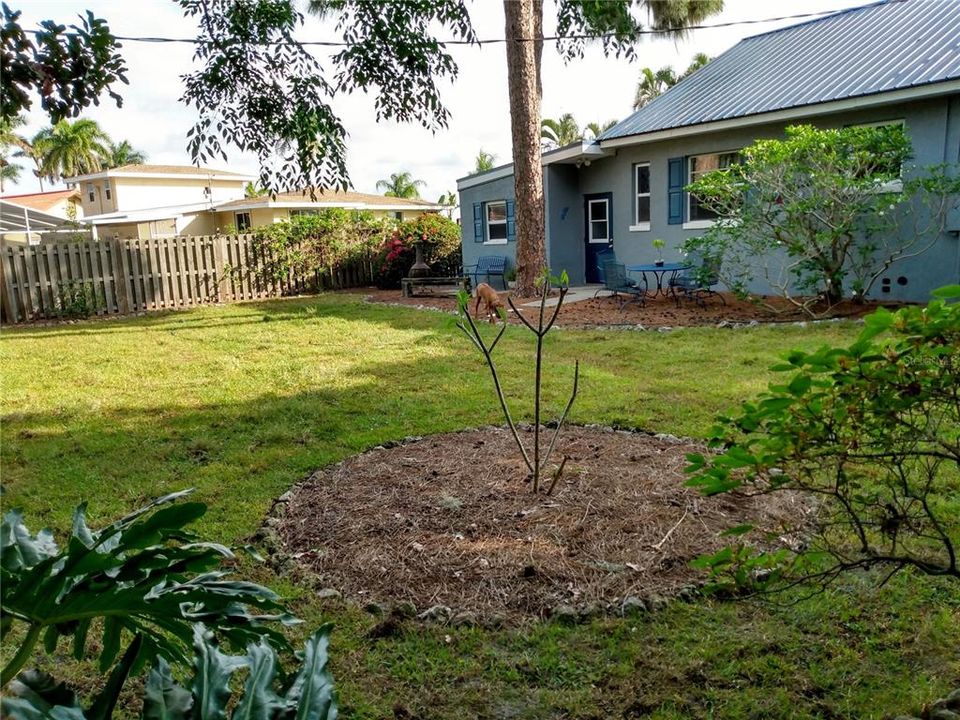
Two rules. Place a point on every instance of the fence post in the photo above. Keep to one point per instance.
(121, 272)
(8, 299)
(217, 242)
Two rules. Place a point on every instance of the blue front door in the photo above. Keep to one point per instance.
(597, 232)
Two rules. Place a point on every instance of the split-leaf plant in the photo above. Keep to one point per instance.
(143, 577)
(867, 439)
(308, 694)
(536, 461)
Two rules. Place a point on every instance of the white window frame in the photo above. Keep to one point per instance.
(638, 224)
(487, 223)
(701, 224)
(590, 221)
(236, 220)
(91, 193)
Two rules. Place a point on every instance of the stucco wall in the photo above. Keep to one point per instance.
(132, 193)
(500, 189)
(564, 221)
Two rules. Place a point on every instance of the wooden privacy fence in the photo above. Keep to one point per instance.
(106, 277)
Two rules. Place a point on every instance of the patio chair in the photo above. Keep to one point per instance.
(487, 267)
(623, 288)
(603, 257)
(699, 281)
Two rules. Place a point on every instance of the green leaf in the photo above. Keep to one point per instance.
(737, 530)
(162, 698)
(111, 642)
(312, 692)
(948, 292)
(799, 385)
(102, 708)
(211, 681)
(259, 701)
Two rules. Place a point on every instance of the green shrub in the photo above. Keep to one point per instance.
(870, 435)
(441, 237)
(77, 299)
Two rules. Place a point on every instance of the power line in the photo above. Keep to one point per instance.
(492, 41)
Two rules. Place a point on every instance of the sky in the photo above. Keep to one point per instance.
(593, 89)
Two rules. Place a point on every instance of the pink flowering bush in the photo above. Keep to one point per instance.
(441, 237)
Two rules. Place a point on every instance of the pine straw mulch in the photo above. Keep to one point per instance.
(449, 520)
(605, 311)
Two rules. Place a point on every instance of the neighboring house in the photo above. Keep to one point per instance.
(256, 211)
(60, 203)
(882, 63)
(22, 225)
(152, 201)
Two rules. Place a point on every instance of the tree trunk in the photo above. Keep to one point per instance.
(523, 77)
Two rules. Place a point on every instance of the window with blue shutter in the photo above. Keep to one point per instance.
(478, 222)
(511, 223)
(676, 173)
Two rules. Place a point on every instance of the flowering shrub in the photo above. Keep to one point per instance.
(441, 238)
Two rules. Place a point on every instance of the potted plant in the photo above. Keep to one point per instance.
(511, 277)
(658, 244)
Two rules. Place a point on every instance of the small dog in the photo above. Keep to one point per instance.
(491, 300)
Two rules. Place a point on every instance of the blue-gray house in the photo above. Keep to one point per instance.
(896, 61)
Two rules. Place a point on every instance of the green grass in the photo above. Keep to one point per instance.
(242, 401)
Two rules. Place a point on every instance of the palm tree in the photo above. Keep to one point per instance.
(71, 148)
(448, 200)
(653, 84)
(558, 133)
(485, 161)
(401, 185)
(699, 60)
(10, 139)
(9, 173)
(123, 154)
(597, 129)
(252, 190)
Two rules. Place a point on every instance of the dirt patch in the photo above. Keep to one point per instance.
(659, 312)
(450, 521)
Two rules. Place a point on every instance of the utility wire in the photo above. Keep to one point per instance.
(491, 41)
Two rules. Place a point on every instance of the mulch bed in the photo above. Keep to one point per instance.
(449, 522)
(660, 312)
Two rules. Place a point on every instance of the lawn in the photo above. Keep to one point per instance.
(242, 401)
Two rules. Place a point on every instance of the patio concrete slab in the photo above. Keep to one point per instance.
(574, 294)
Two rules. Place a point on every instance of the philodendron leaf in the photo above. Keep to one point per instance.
(102, 708)
(259, 701)
(211, 682)
(36, 695)
(18, 548)
(312, 692)
(163, 699)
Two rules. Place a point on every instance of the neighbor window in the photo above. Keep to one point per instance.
(106, 190)
(398, 215)
(641, 184)
(698, 165)
(242, 221)
(497, 222)
(90, 192)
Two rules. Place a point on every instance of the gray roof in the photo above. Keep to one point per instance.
(862, 51)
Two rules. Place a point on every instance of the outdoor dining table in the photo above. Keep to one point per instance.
(659, 271)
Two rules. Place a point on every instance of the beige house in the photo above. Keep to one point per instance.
(60, 203)
(153, 201)
(150, 201)
(254, 212)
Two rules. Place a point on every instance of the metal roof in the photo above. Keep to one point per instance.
(17, 218)
(872, 49)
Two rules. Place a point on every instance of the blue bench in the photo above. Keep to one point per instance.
(488, 266)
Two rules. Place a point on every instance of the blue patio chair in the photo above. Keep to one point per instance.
(603, 257)
(699, 281)
(623, 288)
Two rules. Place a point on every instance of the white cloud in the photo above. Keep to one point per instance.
(593, 89)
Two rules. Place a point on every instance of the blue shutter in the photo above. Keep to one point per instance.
(676, 172)
(478, 222)
(511, 223)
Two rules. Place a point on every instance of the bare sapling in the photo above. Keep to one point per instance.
(536, 461)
